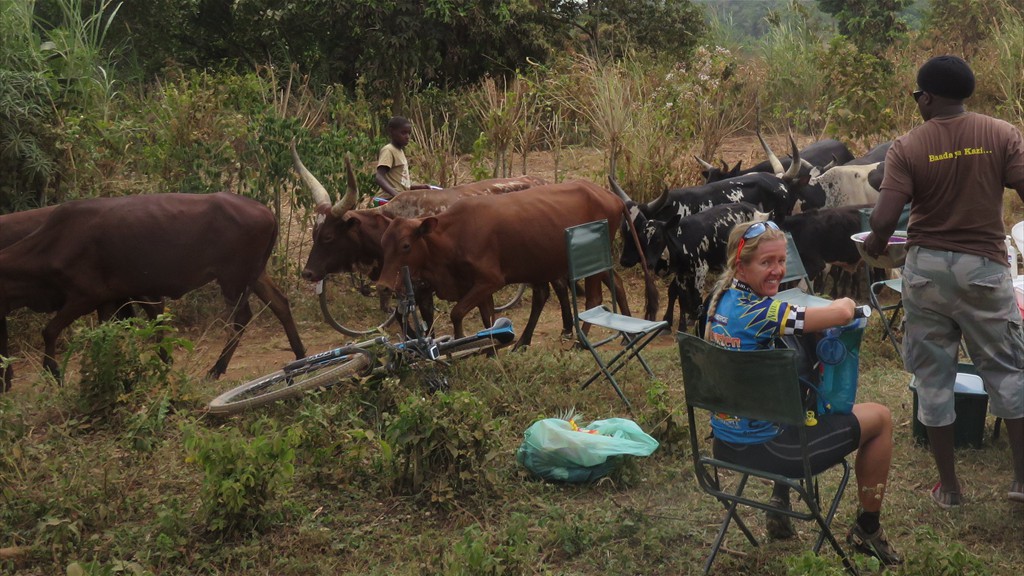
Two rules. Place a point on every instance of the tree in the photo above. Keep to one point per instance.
(872, 25)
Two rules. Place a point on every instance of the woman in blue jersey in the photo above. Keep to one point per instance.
(743, 315)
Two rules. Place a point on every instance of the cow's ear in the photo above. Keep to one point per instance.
(803, 180)
(736, 169)
(427, 226)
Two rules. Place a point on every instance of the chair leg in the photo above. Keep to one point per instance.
(730, 507)
(618, 361)
(610, 376)
(834, 506)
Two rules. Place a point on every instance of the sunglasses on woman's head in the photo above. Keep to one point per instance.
(758, 228)
(755, 230)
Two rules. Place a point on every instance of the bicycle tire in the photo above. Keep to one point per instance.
(361, 309)
(280, 385)
(508, 297)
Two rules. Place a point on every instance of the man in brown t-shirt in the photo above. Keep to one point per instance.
(956, 282)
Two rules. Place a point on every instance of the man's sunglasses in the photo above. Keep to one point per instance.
(755, 230)
(917, 94)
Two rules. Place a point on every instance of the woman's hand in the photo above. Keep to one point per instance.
(837, 313)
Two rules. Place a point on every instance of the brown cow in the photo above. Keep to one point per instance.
(95, 251)
(14, 227)
(344, 238)
(483, 243)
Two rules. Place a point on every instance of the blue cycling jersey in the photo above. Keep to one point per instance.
(745, 321)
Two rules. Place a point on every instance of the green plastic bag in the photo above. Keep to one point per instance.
(554, 450)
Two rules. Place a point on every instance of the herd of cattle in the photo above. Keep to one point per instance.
(461, 244)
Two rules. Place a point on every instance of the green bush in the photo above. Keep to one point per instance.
(241, 475)
(861, 90)
(337, 446)
(122, 356)
(444, 446)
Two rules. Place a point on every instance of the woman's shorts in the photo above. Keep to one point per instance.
(828, 442)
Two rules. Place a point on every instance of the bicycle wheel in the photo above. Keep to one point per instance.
(351, 305)
(508, 296)
(280, 385)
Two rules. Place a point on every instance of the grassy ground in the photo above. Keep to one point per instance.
(78, 489)
(390, 479)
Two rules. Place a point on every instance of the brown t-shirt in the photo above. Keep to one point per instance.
(953, 171)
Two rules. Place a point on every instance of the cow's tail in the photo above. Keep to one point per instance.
(650, 290)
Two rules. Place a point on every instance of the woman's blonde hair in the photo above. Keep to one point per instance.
(733, 259)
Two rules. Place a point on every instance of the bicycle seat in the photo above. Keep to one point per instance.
(501, 331)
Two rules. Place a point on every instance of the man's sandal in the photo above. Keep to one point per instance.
(946, 500)
(1016, 493)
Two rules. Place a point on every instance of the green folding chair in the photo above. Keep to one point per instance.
(759, 384)
(589, 250)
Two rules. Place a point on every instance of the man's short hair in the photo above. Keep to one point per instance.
(946, 76)
(397, 122)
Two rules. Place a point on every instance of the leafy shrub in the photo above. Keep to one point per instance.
(665, 418)
(120, 356)
(336, 444)
(860, 91)
(443, 445)
(241, 475)
(938, 556)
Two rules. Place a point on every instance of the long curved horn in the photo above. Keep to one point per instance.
(703, 163)
(654, 206)
(320, 196)
(618, 189)
(777, 167)
(351, 197)
(794, 166)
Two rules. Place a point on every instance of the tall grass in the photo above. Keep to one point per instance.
(434, 146)
(1007, 72)
(82, 65)
(500, 106)
(794, 87)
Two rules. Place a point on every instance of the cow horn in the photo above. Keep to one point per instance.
(618, 189)
(703, 163)
(794, 166)
(777, 167)
(654, 206)
(351, 197)
(320, 196)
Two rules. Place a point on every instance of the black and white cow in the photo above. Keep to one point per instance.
(767, 192)
(696, 246)
(819, 153)
(823, 238)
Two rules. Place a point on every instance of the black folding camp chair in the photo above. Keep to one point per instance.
(886, 295)
(762, 385)
(590, 253)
